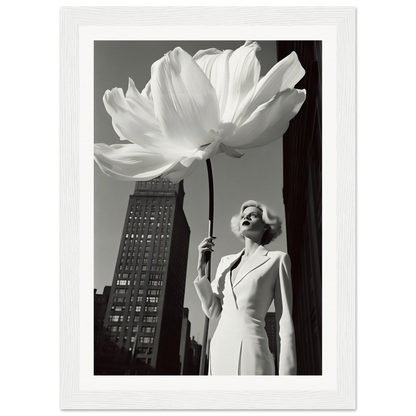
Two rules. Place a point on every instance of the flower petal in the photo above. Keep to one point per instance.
(137, 127)
(147, 92)
(273, 117)
(285, 74)
(186, 105)
(139, 103)
(215, 64)
(129, 162)
(230, 151)
(186, 166)
(180, 172)
(244, 72)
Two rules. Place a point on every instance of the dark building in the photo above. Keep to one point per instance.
(143, 321)
(190, 350)
(270, 327)
(195, 358)
(100, 307)
(184, 350)
(302, 193)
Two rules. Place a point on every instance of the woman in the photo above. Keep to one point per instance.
(241, 294)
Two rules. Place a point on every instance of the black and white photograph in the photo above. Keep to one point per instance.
(207, 208)
(211, 245)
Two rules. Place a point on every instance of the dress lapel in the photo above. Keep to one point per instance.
(232, 258)
(255, 261)
(228, 287)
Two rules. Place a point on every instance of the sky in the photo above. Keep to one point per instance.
(257, 175)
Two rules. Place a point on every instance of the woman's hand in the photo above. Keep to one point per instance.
(203, 249)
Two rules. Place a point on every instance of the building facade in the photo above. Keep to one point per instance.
(143, 320)
(302, 193)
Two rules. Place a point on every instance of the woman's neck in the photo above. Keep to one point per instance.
(250, 246)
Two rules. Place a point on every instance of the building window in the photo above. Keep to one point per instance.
(114, 328)
(142, 350)
(157, 268)
(111, 338)
(148, 329)
(116, 318)
(152, 299)
(146, 340)
(154, 276)
(149, 318)
(123, 282)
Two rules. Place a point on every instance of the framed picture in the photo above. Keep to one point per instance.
(133, 333)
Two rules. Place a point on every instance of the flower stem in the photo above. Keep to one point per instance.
(211, 199)
(208, 262)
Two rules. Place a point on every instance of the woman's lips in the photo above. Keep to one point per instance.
(246, 223)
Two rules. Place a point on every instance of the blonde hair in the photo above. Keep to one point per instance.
(270, 218)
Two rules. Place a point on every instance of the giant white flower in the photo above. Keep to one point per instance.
(195, 107)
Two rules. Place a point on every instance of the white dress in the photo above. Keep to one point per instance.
(240, 344)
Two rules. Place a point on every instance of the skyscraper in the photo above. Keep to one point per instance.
(302, 192)
(142, 326)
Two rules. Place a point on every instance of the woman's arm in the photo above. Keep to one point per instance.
(283, 305)
(210, 301)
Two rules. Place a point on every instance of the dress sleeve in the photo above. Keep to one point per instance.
(286, 331)
(208, 295)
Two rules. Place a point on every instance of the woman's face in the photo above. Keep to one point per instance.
(251, 223)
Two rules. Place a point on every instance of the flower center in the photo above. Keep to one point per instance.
(225, 130)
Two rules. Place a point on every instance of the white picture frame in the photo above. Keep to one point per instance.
(76, 392)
